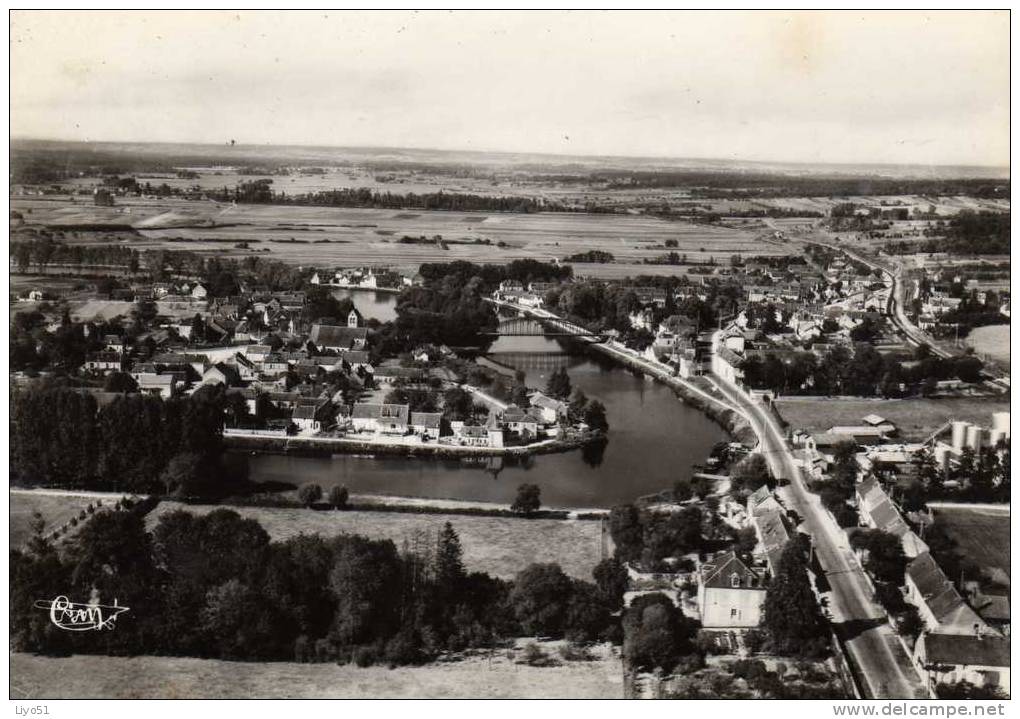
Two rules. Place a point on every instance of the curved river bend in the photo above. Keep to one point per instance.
(653, 440)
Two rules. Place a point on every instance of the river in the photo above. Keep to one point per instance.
(653, 440)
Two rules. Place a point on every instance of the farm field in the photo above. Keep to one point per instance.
(341, 236)
(501, 546)
(56, 509)
(476, 677)
(992, 341)
(916, 419)
(981, 534)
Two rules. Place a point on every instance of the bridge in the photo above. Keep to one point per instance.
(542, 362)
(531, 327)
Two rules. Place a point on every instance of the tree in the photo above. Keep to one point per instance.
(558, 385)
(792, 617)
(309, 494)
(595, 416)
(528, 500)
(966, 690)
(627, 532)
(885, 559)
(540, 599)
(186, 475)
(338, 497)
(449, 569)
(119, 382)
(612, 581)
(750, 473)
(655, 633)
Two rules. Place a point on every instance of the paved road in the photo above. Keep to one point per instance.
(882, 661)
(897, 300)
(873, 646)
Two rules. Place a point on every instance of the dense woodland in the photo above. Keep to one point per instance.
(60, 437)
(214, 585)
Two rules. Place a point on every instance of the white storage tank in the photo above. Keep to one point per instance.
(959, 434)
(975, 435)
(1000, 421)
(942, 452)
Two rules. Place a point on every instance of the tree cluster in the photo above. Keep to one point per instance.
(61, 438)
(214, 585)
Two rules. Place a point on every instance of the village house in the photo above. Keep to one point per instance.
(475, 436)
(312, 417)
(770, 529)
(550, 410)
(380, 418)
(525, 423)
(114, 343)
(222, 373)
(389, 375)
(103, 362)
(941, 607)
(331, 338)
(159, 385)
(426, 424)
(981, 659)
(730, 593)
(876, 510)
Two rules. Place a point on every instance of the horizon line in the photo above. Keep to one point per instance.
(26, 138)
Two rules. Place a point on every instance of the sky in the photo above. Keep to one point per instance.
(928, 88)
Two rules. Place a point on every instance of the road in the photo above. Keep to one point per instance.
(897, 300)
(881, 660)
(655, 369)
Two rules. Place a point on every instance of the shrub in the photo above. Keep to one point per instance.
(365, 656)
(535, 656)
(574, 652)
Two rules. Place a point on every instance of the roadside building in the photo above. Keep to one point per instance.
(380, 418)
(981, 659)
(877, 511)
(941, 607)
(426, 424)
(730, 593)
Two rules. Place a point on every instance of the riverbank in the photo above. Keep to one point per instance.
(326, 446)
(734, 423)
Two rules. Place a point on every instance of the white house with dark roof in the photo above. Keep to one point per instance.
(551, 410)
(426, 424)
(333, 338)
(380, 418)
(730, 593)
(981, 659)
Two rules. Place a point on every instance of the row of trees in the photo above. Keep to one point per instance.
(860, 370)
(214, 585)
(60, 437)
(220, 275)
(261, 192)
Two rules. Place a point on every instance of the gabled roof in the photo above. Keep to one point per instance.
(722, 570)
(428, 420)
(773, 534)
(393, 412)
(874, 419)
(939, 594)
(986, 650)
(334, 336)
